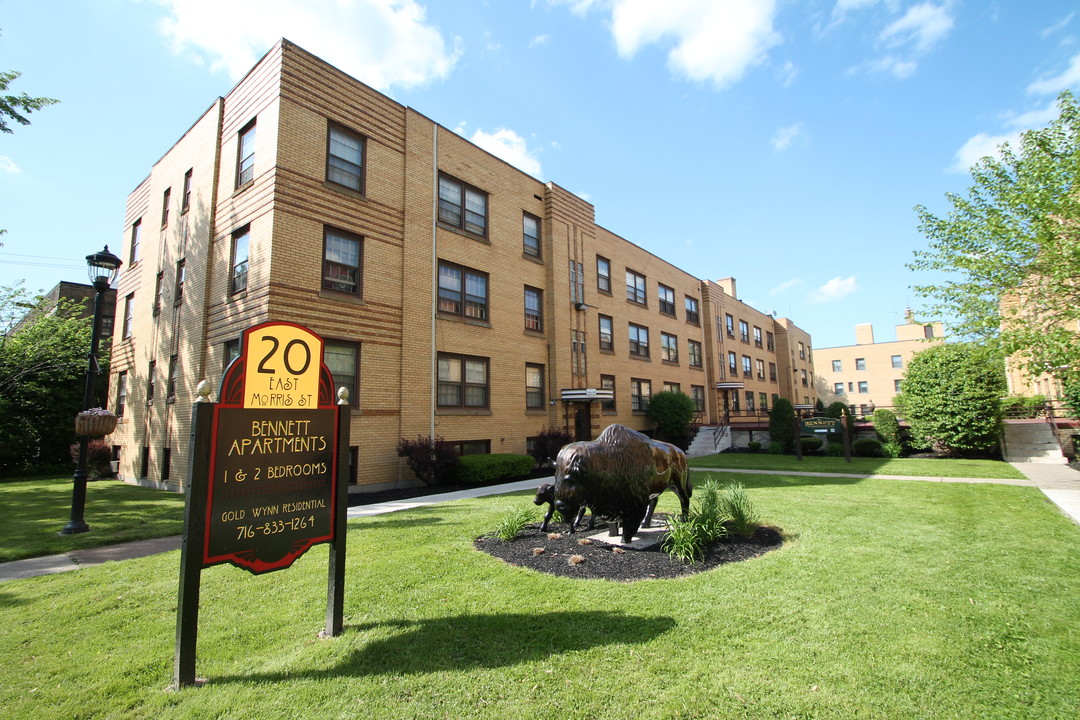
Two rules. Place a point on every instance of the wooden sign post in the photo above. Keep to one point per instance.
(265, 479)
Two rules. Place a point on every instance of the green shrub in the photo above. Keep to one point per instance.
(887, 426)
(892, 449)
(735, 505)
(672, 412)
(812, 444)
(683, 541)
(753, 446)
(98, 457)
(512, 523)
(687, 537)
(1020, 406)
(782, 423)
(867, 447)
(776, 447)
(834, 449)
(472, 469)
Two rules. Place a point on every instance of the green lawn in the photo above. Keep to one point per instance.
(35, 510)
(994, 469)
(889, 600)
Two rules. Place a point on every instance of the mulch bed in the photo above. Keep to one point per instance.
(610, 562)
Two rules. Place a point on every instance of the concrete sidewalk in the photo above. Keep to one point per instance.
(1060, 483)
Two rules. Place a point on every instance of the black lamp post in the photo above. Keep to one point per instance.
(102, 268)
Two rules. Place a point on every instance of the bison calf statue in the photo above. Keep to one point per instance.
(546, 494)
(619, 475)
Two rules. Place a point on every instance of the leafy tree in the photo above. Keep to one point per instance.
(42, 373)
(782, 423)
(1009, 249)
(672, 413)
(12, 107)
(431, 459)
(886, 425)
(951, 397)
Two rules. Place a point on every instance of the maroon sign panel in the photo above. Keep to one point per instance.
(273, 465)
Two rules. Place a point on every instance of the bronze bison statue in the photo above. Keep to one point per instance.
(619, 475)
(546, 494)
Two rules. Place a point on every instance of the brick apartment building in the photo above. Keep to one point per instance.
(458, 296)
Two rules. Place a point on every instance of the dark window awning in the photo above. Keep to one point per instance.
(586, 394)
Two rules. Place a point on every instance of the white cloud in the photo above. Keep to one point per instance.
(980, 146)
(577, 7)
(836, 289)
(892, 65)
(714, 40)
(785, 286)
(788, 73)
(509, 146)
(1069, 77)
(539, 40)
(785, 136)
(924, 25)
(1059, 25)
(8, 165)
(384, 43)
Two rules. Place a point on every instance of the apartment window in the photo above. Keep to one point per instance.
(144, 462)
(735, 401)
(672, 387)
(151, 375)
(239, 264)
(170, 387)
(230, 352)
(772, 372)
(462, 206)
(577, 352)
(666, 297)
(343, 360)
(749, 401)
(896, 385)
(640, 394)
(159, 289)
(181, 276)
(345, 158)
(851, 387)
(607, 341)
(744, 331)
(897, 361)
(607, 382)
(763, 401)
(603, 274)
(166, 462)
(928, 331)
(729, 325)
(746, 371)
(342, 262)
(837, 366)
(577, 282)
(802, 352)
(635, 287)
(697, 394)
(185, 199)
(757, 337)
(531, 235)
(860, 363)
(121, 392)
(770, 341)
(136, 241)
(864, 387)
(691, 306)
(802, 375)
(733, 364)
(165, 197)
(534, 314)
(129, 302)
(463, 291)
(471, 447)
(463, 381)
(693, 351)
(864, 410)
(669, 347)
(838, 388)
(759, 366)
(534, 386)
(245, 155)
(639, 340)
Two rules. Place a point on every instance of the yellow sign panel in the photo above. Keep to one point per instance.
(282, 369)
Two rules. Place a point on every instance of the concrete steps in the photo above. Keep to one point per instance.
(1031, 441)
(703, 442)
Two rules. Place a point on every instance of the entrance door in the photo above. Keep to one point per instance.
(582, 422)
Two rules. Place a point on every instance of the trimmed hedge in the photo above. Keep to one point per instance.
(812, 444)
(488, 468)
(867, 447)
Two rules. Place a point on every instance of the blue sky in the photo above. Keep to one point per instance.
(782, 143)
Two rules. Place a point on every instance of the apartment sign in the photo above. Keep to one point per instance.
(821, 425)
(273, 454)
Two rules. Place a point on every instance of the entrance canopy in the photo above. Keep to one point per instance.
(586, 394)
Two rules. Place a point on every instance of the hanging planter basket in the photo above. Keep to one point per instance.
(95, 423)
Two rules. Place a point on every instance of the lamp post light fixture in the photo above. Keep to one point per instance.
(102, 268)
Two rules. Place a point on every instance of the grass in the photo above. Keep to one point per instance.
(36, 509)
(918, 467)
(889, 600)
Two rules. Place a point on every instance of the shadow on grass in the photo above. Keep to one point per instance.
(476, 641)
